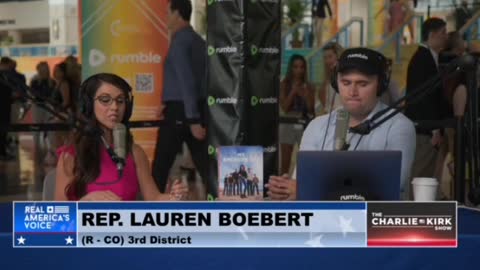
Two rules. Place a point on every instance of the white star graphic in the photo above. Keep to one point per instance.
(69, 240)
(21, 240)
(315, 241)
(346, 225)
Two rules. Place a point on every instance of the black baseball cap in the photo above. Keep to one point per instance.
(364, 60)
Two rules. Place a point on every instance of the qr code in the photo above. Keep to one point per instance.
(144, 82)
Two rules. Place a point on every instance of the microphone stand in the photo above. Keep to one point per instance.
(368, 125)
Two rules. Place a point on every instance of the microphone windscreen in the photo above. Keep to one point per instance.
(341, 128)
(120, 140)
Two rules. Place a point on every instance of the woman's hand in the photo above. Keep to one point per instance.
(282, 188)
(101, 196)
(179, 191)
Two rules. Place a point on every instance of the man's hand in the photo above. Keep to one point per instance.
(282, 188)
(179, 190)
(198, 131)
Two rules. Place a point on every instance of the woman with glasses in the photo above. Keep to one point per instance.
(86, 171)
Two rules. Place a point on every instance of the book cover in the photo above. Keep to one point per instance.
(240, 173)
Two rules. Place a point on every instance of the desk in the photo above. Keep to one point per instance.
(466, 255)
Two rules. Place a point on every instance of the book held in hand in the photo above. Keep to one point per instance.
(240, 173)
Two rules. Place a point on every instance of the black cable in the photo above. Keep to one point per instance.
(358, 143)
(115, 160)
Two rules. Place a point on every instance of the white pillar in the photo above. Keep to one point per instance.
(63, 22)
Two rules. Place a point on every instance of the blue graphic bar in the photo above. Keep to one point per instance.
(45, 240)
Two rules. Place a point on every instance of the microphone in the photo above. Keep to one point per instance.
(119, 142)
(341, 128)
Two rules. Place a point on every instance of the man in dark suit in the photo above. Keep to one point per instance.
(422, 67)
(184, 97)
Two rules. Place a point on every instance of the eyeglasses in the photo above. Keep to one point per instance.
(107, 100)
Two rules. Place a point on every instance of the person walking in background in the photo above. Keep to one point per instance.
(74, 77)
(19, 104)
(86, 171)
(12, 66)
(184, 97)
(422, 67)
(455, 85)
(455, 92)
(61, 99)
(319, 16)
(397, 12)
(327, 95)
(42, 86)
(297, 98)
(462, 15)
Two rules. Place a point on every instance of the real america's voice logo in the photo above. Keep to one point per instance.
(45, 224)
(41, 217)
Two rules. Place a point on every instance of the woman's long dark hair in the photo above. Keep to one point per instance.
(289, 75)
(88, 142)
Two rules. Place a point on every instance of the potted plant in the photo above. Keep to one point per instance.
(295, 13)
(296, 10)
(296, 41)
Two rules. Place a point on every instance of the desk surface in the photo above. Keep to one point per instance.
(466, 255)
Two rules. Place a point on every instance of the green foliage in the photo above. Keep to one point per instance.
(296, 10)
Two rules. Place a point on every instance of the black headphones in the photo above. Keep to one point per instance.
(383, 75)
(86, 102)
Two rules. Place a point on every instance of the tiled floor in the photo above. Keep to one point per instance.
(22, 177)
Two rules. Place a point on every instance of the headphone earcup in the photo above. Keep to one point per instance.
(84, 106)
(385, 83)
(128, 110)
(333, 80)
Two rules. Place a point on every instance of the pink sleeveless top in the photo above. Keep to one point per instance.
(127, 188)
